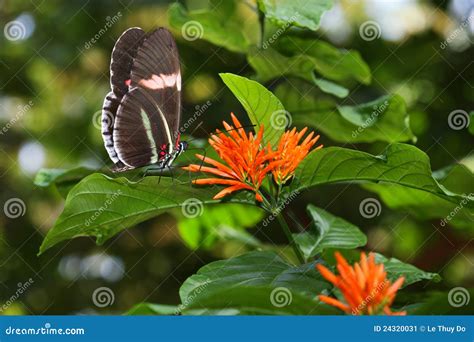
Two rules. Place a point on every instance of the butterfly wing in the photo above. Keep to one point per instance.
(124, 52)
(148, 117)
(156, 69)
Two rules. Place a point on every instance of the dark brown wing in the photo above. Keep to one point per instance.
(156, 70)
(124, 52)
(138, 130)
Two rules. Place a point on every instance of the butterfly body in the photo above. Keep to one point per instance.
(141, 114)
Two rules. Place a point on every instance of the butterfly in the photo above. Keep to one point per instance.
(141, 113)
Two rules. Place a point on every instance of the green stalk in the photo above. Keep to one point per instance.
(287, 231)
(281, 219)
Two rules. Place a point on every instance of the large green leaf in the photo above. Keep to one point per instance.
(425, 206)
(147, 309)
(329, 61)
(400, 164)
(328, 231)
(263, 108)
(48, 177)
(269, 64)
(457, 301)
(384, 119)
(222, 222)
(395, 269)
(210, 25)
(303, 13)
(144, 309)
(256, 282)
(393, 121)
(456, 178)
(62, 179)
(102, 207)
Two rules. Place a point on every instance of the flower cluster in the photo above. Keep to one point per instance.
(247, 160)
(364, 286)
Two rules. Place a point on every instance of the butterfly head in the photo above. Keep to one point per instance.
(182, 146)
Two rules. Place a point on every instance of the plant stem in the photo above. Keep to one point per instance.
(287, 231)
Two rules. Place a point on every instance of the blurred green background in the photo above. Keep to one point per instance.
(52, 82)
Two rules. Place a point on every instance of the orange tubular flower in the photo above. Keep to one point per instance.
(247, 163)
(364, 286)
(290, 153)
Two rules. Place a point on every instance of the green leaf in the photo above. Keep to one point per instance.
(440, 303)
(329, 61)
(328, 231)
(386, 116)
(145, 309)
(209, 25)
(303, 13)
(395, 269)
(263, 108)
(62, 179)
(330, 87)
(456, 178)
(384, 119)
(422, 205)
(246, 283)
(400, 164)
(223, 222)
(102, 207)
(269, 64)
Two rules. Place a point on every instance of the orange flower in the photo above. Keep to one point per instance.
(364, 286)
(290, 153)
(247, 162)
